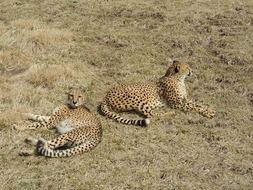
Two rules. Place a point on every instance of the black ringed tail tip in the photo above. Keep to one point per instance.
(105, 110)
(146, 122)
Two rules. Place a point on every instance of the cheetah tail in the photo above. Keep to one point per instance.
(85, 147)
(107, 112)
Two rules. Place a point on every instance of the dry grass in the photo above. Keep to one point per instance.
(33, 37)
(98, 44)
(13, 61)
(46, 76)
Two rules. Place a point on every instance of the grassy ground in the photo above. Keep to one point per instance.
(46, 46)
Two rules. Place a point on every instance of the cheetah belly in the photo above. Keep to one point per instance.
(65, 126)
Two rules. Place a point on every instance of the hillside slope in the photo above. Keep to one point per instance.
(47, 46)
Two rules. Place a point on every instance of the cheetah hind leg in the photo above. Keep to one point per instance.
(27, 153)
(43, 145)
(115, 116)
(84, 147)
(53, 147)
(148, 113)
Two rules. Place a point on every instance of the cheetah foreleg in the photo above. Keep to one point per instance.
(36, 125)
(50, 124)
(37, 118)
(188, 105)
(41, 118)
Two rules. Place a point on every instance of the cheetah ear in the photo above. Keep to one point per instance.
(69, 89)
(82, 88)
(175, 62)
(177, 68)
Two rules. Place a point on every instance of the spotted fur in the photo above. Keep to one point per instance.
(79, 129)
(143, 98)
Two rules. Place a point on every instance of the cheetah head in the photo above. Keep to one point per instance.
(180, 68)
(74, 97)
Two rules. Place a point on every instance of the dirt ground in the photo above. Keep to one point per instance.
(48, 45)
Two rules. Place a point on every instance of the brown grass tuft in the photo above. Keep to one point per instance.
(51, 36)
(3, 28)
(13, 62)
(31, 36)
(27, 24)
(48, 76)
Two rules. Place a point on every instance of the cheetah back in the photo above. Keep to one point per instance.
(133, 97)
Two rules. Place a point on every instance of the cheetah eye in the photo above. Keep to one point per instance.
(71, 95)
(79, 96)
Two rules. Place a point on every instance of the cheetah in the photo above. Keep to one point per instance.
(144, 97)
(79, 129)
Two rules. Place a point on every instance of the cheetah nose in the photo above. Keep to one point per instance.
(74, 102)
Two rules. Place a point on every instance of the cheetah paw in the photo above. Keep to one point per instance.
(26, 153)
(28, 116)
(211, 114)
(41, 142)
(167, 114)
(31, 141)
(18, 127)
